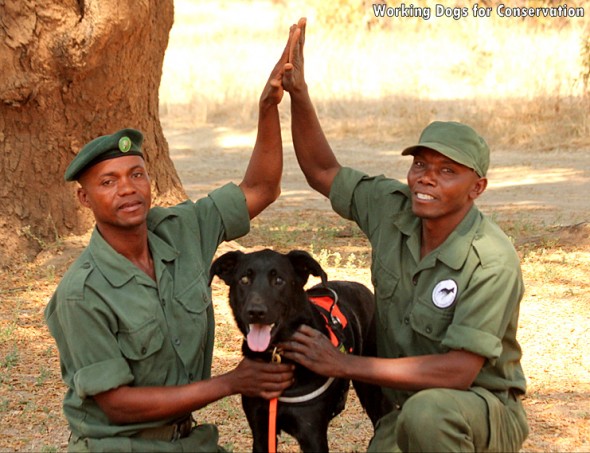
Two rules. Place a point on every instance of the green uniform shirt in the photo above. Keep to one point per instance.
(115, 326)
(464, 295)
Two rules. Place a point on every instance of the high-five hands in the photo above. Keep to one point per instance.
(274, 90)
(293, 78)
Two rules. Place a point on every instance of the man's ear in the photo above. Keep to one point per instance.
(83, 197)
(224, 266)
(479, 188)
(305, 265)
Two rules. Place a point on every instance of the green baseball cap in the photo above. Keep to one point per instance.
(126, 142)
(458, 142)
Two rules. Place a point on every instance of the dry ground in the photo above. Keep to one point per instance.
(539, 199)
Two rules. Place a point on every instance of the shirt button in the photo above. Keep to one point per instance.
(86, 266)
(143, 351)
(177, 341)
(415, 280)
(428, 329)
(406, 320)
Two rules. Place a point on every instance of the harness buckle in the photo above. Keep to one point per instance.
(335, 320)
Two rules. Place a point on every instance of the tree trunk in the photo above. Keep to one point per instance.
(72, 70)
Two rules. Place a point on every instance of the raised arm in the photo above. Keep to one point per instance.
(262, 182)
(315, 157)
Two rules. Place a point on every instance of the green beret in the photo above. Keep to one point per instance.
(126, 142)
(458, 142)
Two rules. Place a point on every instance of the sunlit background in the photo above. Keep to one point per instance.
(401, 71)
(376, 83)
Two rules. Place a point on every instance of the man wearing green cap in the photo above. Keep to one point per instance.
(133, 316)
(447, 284)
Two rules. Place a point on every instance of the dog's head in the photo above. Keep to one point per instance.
(266, 292)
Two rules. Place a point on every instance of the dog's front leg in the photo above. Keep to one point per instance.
(257, 413)
(308, 424)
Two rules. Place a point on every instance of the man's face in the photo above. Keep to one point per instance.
(442, 189)
(118, 192)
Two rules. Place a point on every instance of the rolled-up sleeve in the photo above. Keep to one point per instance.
(230, 201)
(485, 312)
(102, 376)
(370, 201)
(89, 348)
(342, 191)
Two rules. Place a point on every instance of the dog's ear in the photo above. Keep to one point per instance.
(305, 265)
(224, 266)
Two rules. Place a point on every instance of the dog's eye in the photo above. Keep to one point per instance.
(279, 281)
(245, 280)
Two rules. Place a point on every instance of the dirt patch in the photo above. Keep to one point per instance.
(538, 198)
(548, 188)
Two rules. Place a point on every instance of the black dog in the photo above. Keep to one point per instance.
(269, 303)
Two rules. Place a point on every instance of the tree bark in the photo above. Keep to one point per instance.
(73, 70)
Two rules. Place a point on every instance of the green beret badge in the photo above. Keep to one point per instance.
(125, 144)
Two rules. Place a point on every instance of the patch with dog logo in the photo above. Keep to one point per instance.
(444, 293)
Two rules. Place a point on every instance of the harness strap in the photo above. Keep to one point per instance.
(336, 322)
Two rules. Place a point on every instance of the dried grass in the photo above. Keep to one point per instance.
(554, 327)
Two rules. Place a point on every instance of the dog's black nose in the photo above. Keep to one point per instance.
(256, 313)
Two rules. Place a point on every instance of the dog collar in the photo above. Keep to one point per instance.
(276, 358)
(304, 398)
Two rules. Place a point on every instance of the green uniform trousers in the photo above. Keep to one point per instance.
(203, 438)
(445, 420)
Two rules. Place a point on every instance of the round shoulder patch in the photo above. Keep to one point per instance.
(444, 293)
(124, 144)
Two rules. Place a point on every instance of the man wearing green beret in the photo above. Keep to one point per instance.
(133, 316)
(448, 285)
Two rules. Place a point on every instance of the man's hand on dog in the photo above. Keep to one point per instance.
(310, 348)
(259, 379)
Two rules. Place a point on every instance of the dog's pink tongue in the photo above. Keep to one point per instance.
(258, 337)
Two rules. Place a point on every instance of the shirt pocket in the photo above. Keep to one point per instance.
(385, 283)
(140, 346)
(194, 308)
(431, 323)
(194, 298)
